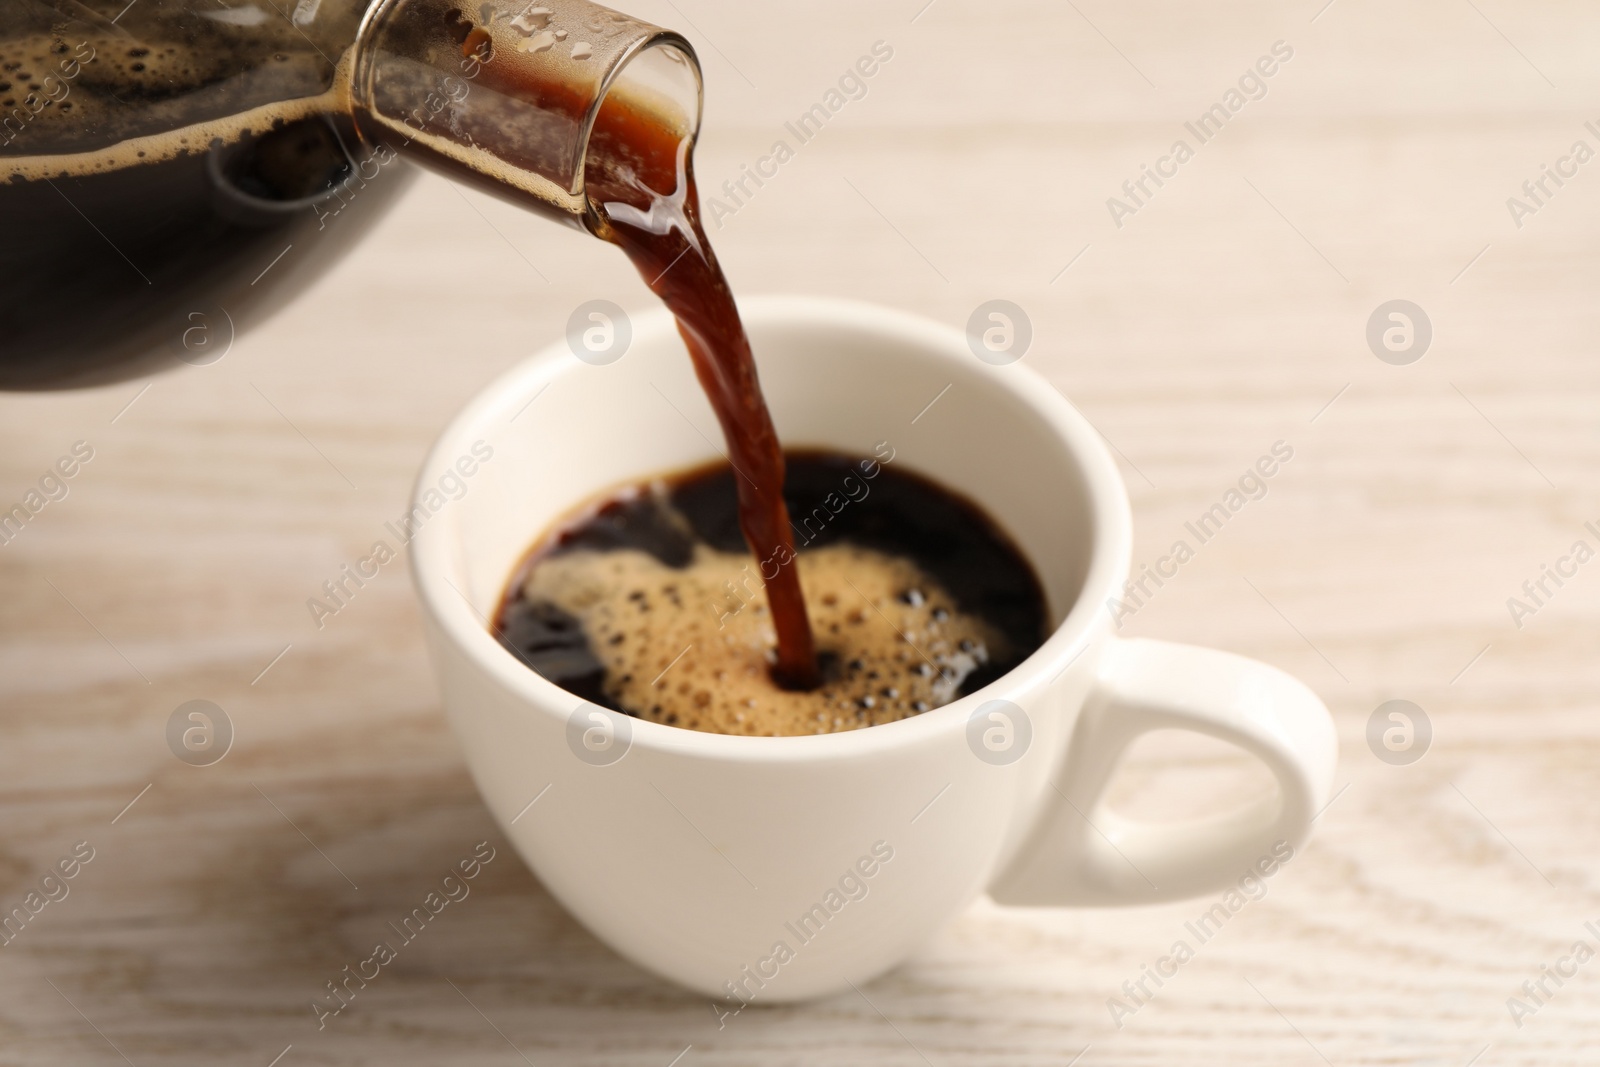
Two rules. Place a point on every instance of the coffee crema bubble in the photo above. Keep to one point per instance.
(648, 604)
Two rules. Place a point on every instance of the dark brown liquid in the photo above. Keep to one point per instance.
(640, 177)
(120, 257)
(959, 606)
(116, 274)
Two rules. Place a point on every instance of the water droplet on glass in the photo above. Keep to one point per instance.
(532, 19)
(539, 42)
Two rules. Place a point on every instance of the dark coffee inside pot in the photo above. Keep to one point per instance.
(649, 602)
(159, 169)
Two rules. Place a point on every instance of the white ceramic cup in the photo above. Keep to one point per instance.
(779, 868)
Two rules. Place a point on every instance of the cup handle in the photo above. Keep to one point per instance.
(1082, 853)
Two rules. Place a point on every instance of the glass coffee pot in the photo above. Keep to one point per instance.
(173, 170)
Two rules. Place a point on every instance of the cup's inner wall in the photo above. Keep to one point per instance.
(846, 385)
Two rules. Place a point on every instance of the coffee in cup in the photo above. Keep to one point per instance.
(647, 600)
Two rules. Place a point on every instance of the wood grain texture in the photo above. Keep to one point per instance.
(1225, 315)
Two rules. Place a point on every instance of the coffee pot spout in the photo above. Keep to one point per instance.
(503, 94)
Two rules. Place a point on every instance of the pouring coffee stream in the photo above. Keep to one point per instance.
(156, 158)
(641, 183)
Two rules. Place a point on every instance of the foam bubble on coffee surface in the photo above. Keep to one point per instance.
(89, 97)
(691, 647)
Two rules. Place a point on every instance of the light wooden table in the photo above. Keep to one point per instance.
(1227, 313)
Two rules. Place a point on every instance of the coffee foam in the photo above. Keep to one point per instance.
(151, 95)
(690, 647)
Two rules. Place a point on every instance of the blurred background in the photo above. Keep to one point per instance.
(1224, 311)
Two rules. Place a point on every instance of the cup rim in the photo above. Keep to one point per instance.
(458, 622)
